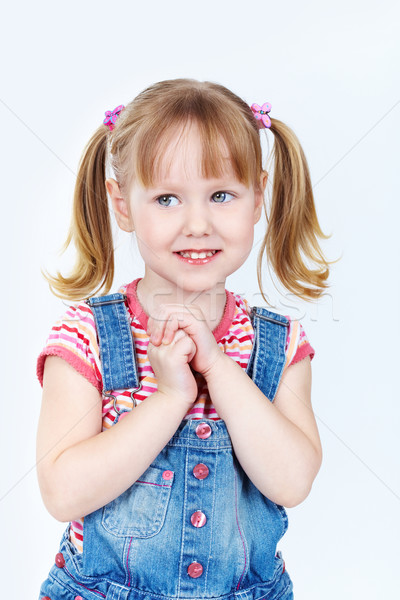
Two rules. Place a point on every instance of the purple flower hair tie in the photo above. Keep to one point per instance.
(112, 116)
(260, 113)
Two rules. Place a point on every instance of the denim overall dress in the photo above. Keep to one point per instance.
(193, 526)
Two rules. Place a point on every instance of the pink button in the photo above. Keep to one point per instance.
(60, 560)
(195, 570)
(78, 598)
(167, 475)
(201, 471)
(46, 598)
(198, 519)
(203, 431)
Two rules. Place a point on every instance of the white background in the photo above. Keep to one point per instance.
(332, 73)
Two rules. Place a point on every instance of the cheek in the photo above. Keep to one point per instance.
(151, 234)
(241, 228)
(144, 231)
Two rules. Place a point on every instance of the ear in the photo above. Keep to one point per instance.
(259, 197)
(120, 206)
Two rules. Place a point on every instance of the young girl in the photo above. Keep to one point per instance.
(176, 421)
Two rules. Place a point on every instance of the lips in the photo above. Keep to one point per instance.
(195, 254)
(197, 257)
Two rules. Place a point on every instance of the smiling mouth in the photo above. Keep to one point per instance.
(197, 254)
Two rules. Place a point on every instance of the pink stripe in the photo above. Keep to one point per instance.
(142, 343)
(77, 525)
(68, 338)
(237, 332)
(85, 314)
(230, 353)
(196, 410)
(200, 418)
(147, 368)
(70, 313)
(148, 388)
(203, 414)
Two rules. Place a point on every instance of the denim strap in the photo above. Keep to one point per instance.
(268, 356)
(117, 350)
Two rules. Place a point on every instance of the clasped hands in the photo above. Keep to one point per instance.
(179, 338)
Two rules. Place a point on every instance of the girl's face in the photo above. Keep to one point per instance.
(184, 217)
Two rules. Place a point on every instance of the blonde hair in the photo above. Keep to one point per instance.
(142, 131)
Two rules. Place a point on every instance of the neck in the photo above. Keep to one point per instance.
(211, 301)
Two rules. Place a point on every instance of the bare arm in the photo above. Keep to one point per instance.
(277, 444)
(80, 468)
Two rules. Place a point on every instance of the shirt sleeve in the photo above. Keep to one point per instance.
(297, 343)
(73, 337)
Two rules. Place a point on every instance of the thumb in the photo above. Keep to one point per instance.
(188, 347)
(179, 334)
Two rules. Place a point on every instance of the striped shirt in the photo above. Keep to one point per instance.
(74, 338)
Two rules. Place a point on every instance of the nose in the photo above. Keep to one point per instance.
(198, 220)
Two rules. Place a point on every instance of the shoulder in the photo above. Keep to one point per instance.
(73, 337)
(297, 343)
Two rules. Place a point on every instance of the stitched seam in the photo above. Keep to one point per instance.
(127, 563)
(131, 371)
(83, 585)
(237, 521)
(121, 318)
(150, 483)
(184, 522)
(131, 342)
(212, 520)
(104, 347)
(257, 343)
(251, 357)
(277, 361)
(280, 595)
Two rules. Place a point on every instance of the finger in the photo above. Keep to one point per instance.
(169, 318)
(171, 327)
(156, 319)
(155, 328)
(178, 336)
(186, 345)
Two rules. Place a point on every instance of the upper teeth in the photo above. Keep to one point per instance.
(197, 254)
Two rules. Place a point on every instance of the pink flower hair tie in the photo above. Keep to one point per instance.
(112, 116)
(260, 113)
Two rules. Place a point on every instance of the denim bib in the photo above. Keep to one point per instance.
(193, 526)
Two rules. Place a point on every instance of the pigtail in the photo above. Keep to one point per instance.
(293, 228)
(90, 228)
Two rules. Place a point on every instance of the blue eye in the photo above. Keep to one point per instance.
(165, 200)
(222, 197)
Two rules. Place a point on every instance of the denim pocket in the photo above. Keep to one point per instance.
(140, 511)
